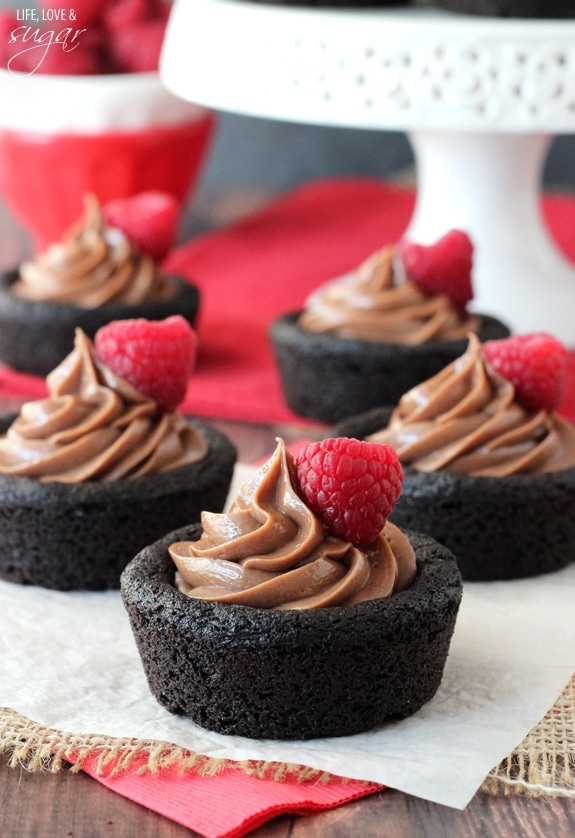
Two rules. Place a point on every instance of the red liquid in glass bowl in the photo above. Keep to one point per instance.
(61, 137)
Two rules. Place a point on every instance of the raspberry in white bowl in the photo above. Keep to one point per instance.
(91, 114)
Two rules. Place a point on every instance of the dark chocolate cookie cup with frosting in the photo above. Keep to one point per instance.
(292, 674)
(498, 527)
(36, 336)
(80, 536)
(329, 378)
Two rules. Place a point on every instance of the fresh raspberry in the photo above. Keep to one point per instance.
(71, 13)
(15, 54)
(443, 267)
(536, 366)
(8, 22)
(78, 60)
(352, 485)
(127, 12)
(95, 40)
(11, 54)
(149, 219)
(136, 48)
(161, 10)
(115, 36)
(156, 357)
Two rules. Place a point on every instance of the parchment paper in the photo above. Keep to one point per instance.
(69, 661)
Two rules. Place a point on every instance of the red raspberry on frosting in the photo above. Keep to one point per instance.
(149, 219)
(352, 485)
(536, 366)
(156, 357)
(443, 267)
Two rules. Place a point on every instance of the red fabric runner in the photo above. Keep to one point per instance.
(264, 266)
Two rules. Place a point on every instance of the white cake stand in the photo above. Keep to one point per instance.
(479, 98)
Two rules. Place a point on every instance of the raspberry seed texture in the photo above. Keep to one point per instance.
(535, 364)
(156, 357)
(149, 219)
(443, 267)
(352, 485)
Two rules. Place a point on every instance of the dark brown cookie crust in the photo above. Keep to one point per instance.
(292, 674)
(498, 528)
(36, 337)
(81, 536)
(329, 378)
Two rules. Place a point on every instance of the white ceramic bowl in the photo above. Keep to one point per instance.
(115, 135)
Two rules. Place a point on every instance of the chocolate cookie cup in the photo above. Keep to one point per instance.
(292, 674)
(36, 336)
(80, 536)
(329, 378)
(497, 527)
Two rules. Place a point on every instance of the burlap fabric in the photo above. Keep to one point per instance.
(542, 764)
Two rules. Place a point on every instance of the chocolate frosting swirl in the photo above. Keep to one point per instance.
(378, 302)
(95, 426)
(466, 420)
(93, 265)
(271, 551)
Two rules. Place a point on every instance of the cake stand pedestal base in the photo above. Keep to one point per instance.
(489, 186)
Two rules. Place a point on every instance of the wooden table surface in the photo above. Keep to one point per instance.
(65, 804)
(75, 805)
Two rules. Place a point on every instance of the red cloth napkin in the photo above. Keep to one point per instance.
(266, 265)
(229, 804)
